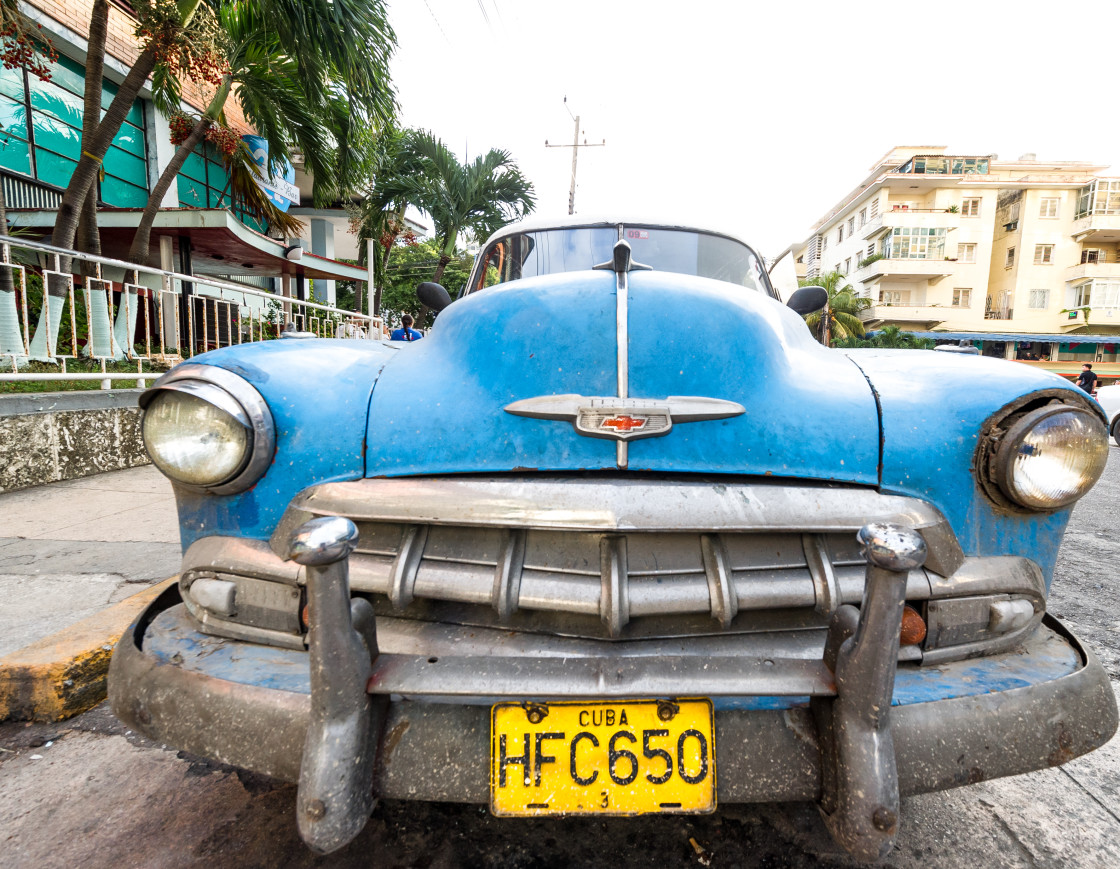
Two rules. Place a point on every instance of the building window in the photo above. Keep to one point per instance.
(966, 253)
(49, 148)
(851, 226)
(1100, 197)
(840, 234)
(962, 297)
(1010, 260)
(863, 217)
(204, 183)
(874, 208)
(824, 243)
(914, 243)
(871, 250)
(1043, 254)
(1048, 207)
(1038, 299)
(970, 207)
(847, 265)
(896, 297)
(836, 267)
(1097, 294)
(1090, 255)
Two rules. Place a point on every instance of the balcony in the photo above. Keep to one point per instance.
(907, 270)
(1097, 229)
(914, 316)
(1071, 320)
(927, 218)
(1109, 270)
(999, 313)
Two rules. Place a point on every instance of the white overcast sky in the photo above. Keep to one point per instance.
(753, 117)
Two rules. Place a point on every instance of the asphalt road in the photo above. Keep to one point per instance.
(88, 792)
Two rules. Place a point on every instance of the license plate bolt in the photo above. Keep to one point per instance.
(667, 710)
(536, 713)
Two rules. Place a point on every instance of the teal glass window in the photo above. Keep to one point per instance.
(50, 150)
(204, 183)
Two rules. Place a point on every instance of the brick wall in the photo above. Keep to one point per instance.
(120, 43)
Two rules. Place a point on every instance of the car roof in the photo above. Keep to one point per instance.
(536, 223)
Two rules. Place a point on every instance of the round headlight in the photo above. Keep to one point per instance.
(208, 429)
(194, 441)
(1051, 456)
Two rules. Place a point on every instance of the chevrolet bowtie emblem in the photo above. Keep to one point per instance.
(625, 419)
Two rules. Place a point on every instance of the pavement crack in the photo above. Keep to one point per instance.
(1090, 794)
(1026, 852)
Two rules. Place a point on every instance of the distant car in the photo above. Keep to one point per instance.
(617, 537)
(1109, 398)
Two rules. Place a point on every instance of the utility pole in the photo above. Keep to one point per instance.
(575, 146)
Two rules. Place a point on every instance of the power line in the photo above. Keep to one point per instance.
(436, 20)
(485, 16)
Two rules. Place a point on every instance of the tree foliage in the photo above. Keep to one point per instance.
(840, 318)
(304, 90)
(889, 337)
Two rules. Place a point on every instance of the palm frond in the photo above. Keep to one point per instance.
(247, 194)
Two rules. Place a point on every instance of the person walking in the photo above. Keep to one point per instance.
(406, 332)
(1087, 380)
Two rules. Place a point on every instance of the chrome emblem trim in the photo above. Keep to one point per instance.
(624, 419)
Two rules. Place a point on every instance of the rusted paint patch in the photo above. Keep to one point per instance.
(394, 737)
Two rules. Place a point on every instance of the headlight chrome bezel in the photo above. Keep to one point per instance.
(235, 396)
(1005, 431)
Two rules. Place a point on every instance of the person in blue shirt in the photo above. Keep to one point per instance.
(406, 333)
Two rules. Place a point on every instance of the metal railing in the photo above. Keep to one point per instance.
(58, 305)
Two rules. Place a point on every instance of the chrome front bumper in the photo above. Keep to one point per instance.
(251, 709)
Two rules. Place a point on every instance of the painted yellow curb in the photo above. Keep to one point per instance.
(64, 674)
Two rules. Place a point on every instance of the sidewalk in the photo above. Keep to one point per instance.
(69, 551)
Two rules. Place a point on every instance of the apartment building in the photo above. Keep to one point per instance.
(1020, 256)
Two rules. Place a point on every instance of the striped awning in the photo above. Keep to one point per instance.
(1078, 338)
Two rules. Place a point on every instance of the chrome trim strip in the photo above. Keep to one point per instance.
(562, 503)
(724, 601)
(622, 339)
(824, 577)
(614, 604)
(406, 564)
(663, 676)
(507, 573)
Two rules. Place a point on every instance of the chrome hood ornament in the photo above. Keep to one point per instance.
(624, 419)
(620, 417)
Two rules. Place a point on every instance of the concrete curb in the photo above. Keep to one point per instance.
(65, 673)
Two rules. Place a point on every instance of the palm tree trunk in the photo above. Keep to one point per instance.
(139, 251)
(10, 334)
(89, 166)
(89, 241)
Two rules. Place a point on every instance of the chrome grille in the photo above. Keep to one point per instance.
(620, 558)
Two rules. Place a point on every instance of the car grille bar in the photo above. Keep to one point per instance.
(620, 550)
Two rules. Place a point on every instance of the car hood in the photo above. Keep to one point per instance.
(438, 406)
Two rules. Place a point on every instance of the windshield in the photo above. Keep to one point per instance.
(553, 251)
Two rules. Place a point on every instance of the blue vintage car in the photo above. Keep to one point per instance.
(619, 536)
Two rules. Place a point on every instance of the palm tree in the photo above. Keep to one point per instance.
(840, 317)
(477, 197)
(380, 214)
(171, 28)
(300, 86)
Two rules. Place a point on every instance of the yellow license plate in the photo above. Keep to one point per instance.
(627, 758)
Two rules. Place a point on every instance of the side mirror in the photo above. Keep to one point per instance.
(808, 300)
(433, 295)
